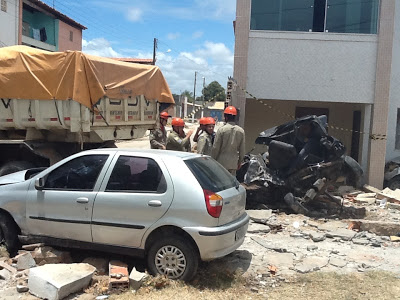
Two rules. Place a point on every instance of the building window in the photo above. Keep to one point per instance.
(71, 36)
(4, 5)
(397, 140)
(340, 16)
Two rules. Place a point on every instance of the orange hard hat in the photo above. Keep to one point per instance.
(230, 110)
(210, 121)
(203, 121)
(178, 122)
(164, 115)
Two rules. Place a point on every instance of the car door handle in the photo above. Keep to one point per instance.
(82, 200)
(155, 203)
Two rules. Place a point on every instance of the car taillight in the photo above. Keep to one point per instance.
(214, 203)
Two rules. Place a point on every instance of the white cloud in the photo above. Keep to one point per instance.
(214, 61)
(99, 47)
(197, 34)
(173, 36)
(134, 14)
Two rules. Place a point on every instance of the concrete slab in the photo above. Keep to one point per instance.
(25, 261)
(136, 279)
(344, 234)
(311, 263)
(56, 281)
(259, 216)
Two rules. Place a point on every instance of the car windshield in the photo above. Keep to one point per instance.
(210, 174)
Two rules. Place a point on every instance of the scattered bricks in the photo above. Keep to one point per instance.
(57, 281)
(48, 255)
(101, 264)
(32, 247)
(119, 277)
(5, 274)
(22, 288)
(136, 279)
(25, 261)
(8, 267)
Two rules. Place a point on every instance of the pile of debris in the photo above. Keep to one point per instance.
(300, 163)
(50, 273)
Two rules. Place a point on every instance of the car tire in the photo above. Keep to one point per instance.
(167, 252)
(9, 233)
(15, 166)
(394, 183)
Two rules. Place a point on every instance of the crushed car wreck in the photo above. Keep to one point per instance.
(302, 160)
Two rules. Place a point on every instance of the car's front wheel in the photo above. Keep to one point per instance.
(174, 257)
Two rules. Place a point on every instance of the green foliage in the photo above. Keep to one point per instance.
(213, 89)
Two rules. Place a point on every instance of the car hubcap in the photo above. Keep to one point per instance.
(170, 261)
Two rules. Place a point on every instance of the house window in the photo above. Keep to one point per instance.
(71, 36)
(4, 5)
(397, 140)
(340, 16)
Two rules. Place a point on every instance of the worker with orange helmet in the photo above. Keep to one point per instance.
(158, 137)
(205, 142)
(228, 147)
(200, 129)
(177, 139)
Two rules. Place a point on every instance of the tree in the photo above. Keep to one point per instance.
(214, 91)
(188, 94)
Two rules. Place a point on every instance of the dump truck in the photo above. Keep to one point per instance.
(54, 104)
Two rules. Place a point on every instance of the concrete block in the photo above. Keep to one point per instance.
(260, 216)
(344, 234)
(136, 279)
(25, 261)
(56, 281)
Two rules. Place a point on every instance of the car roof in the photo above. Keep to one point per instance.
(163, 153)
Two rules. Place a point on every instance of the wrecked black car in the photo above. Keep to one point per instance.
(301, 161)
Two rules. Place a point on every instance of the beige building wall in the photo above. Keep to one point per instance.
(64, 37)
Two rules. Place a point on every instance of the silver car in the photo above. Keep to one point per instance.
(170, 207)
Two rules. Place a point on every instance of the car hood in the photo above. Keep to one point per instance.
(13, 177)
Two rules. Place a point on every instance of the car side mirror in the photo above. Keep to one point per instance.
(39, 184)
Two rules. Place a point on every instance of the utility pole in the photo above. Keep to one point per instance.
(202, 104)
(194, 96)
(154, 51)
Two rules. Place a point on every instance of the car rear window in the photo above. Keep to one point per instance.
(210, 174)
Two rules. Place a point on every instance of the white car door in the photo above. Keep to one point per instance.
(135, 193)
(63, 208)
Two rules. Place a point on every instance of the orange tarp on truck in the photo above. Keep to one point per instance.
(29, 73)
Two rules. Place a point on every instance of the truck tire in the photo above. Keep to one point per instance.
(9, 233)
(15, 166)
(174, 257)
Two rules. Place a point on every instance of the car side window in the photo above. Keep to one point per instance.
(136, 174)
(78, 174)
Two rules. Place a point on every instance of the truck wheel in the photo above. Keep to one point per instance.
(15, 166)
(9, 233)
(174, 257)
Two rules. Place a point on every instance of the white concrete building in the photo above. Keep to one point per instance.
(9, 22)
(335, 57)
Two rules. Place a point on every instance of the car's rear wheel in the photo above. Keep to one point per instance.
(9, 233)
(174, 257)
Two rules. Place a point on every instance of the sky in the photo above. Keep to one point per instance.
(193, 35)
